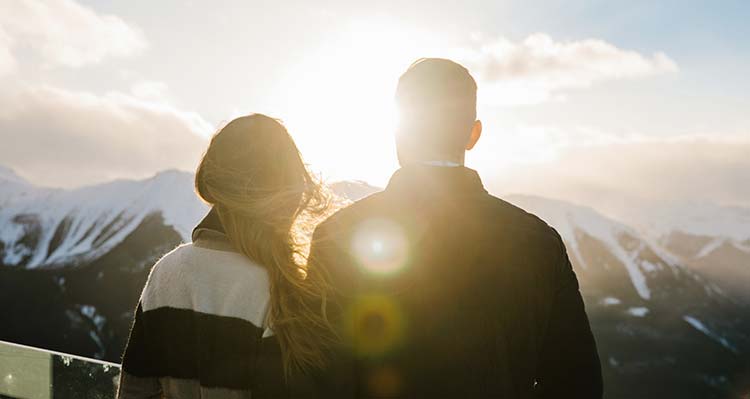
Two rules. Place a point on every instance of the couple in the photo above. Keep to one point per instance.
(430, 289)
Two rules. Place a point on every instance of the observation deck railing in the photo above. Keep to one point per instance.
(33, 373)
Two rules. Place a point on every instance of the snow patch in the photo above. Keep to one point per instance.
(99, 343)
(710, 247)
(698, 325)
(742, 246)
(638, 311)
(648, 266)
(610, 300)
(90, 312)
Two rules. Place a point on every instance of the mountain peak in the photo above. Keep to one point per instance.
(173, 172)
(353, 190)
(9, 175)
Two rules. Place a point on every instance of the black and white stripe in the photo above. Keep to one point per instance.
(200, 328)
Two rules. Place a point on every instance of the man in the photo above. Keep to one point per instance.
(440, 289)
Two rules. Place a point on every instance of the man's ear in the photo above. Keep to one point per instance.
(476, 132)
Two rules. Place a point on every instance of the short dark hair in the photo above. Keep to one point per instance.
(437, 101)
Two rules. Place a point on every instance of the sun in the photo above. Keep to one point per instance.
(338, 100)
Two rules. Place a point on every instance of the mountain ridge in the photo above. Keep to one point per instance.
(51, 227)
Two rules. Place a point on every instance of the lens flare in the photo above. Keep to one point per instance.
(375, 325)
(380, 246)
(384, 382)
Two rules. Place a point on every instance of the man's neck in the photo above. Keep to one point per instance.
(441, 163)
(450, 161)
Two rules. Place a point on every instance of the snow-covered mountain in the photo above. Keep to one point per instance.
(618, 266)
(48, 227)
(663, 329)
(711, 239)
(78, 258)
(12, 186)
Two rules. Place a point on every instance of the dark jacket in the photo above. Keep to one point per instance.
(442, 290)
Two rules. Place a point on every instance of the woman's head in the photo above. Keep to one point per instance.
(252, 160)
(254, 177)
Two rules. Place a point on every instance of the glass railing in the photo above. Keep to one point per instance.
(31, 373)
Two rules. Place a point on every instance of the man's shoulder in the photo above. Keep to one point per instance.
(520, 221)
(351, 213)
(492, 210)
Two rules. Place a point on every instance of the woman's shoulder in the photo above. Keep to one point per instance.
(197, 261)
(209, 281)
(170, 262)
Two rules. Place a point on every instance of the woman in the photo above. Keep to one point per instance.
(230, 314)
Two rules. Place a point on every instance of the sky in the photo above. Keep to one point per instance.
(577, 98)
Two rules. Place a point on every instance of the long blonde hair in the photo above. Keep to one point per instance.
(253, 175)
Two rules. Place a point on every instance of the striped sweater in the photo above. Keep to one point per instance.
(200, 327)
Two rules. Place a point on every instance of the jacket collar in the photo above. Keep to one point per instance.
(209, 233)
(455, 181)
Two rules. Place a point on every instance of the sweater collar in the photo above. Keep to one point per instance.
(210, 234)
(454, 181)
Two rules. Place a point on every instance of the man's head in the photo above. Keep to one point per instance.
(437, 102)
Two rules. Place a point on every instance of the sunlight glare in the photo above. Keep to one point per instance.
(380, 246)
(340, 96)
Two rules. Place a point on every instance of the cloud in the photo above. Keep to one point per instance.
(7, 61)
(66, 138)
(710, 168)
(538, 68)
(60, 137)
(149, 90)
(64, 33)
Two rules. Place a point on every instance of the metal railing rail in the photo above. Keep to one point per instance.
(62, 354)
